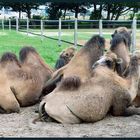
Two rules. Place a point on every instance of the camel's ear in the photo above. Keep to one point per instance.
(119, 61)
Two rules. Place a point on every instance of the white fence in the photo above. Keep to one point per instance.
(41, 25)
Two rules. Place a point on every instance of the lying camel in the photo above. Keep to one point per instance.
(25, 80)
(65, 56)
(81, 64)
(90, 102)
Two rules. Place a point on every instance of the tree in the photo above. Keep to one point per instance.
(24, 7)
(55, 9)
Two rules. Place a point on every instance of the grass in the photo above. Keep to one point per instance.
(13, 42)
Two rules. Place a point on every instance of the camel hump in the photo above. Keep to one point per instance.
(9, 56)
(70, 83)
(25, 51)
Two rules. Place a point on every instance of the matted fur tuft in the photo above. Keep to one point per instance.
(9, 56)
(70, 83)
(25, 51)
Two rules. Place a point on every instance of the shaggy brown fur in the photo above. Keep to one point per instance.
(105, 91)
(65, 56)
(24, 80)
(120, 47)
(125, 32)
(81, 64)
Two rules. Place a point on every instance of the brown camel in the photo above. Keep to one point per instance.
(65, 56)
(105, 91)
(26, 79)
(81, 64)
(120, 47)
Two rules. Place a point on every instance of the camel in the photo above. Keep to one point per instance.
(104, 92)
(81, 64)
(119, 45)
(65, 56)
(25, 79)
(8, 102)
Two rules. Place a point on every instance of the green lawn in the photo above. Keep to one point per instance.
(13, 41)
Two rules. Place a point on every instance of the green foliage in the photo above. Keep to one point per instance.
(138, 16)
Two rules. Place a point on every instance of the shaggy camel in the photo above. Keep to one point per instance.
(81, 64)
(26, 79)
(65, 56)
(105, 91)
(120, 45)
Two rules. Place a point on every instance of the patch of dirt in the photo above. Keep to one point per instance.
(20, 125)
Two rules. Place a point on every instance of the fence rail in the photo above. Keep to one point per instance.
(28, 24)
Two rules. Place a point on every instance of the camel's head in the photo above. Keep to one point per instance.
(68, 53)
(110, 60)
(125, 33)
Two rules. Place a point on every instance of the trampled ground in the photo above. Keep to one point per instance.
(20, 125)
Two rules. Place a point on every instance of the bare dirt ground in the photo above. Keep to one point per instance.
(20, 125)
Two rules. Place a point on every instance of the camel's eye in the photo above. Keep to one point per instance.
(67, 54)
(109, 63)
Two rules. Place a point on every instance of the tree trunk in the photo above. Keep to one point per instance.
(19, 14)
(101, 8)
(108, 12)
(29, 13)
(64, 15)
(76, 11)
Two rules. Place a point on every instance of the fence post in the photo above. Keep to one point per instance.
(75, 32)
(41, 22)
(100, 27)
(17, 26)
(134, 26)
(27, 26)
(2, 24)
(9, 24)
(59, 33)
